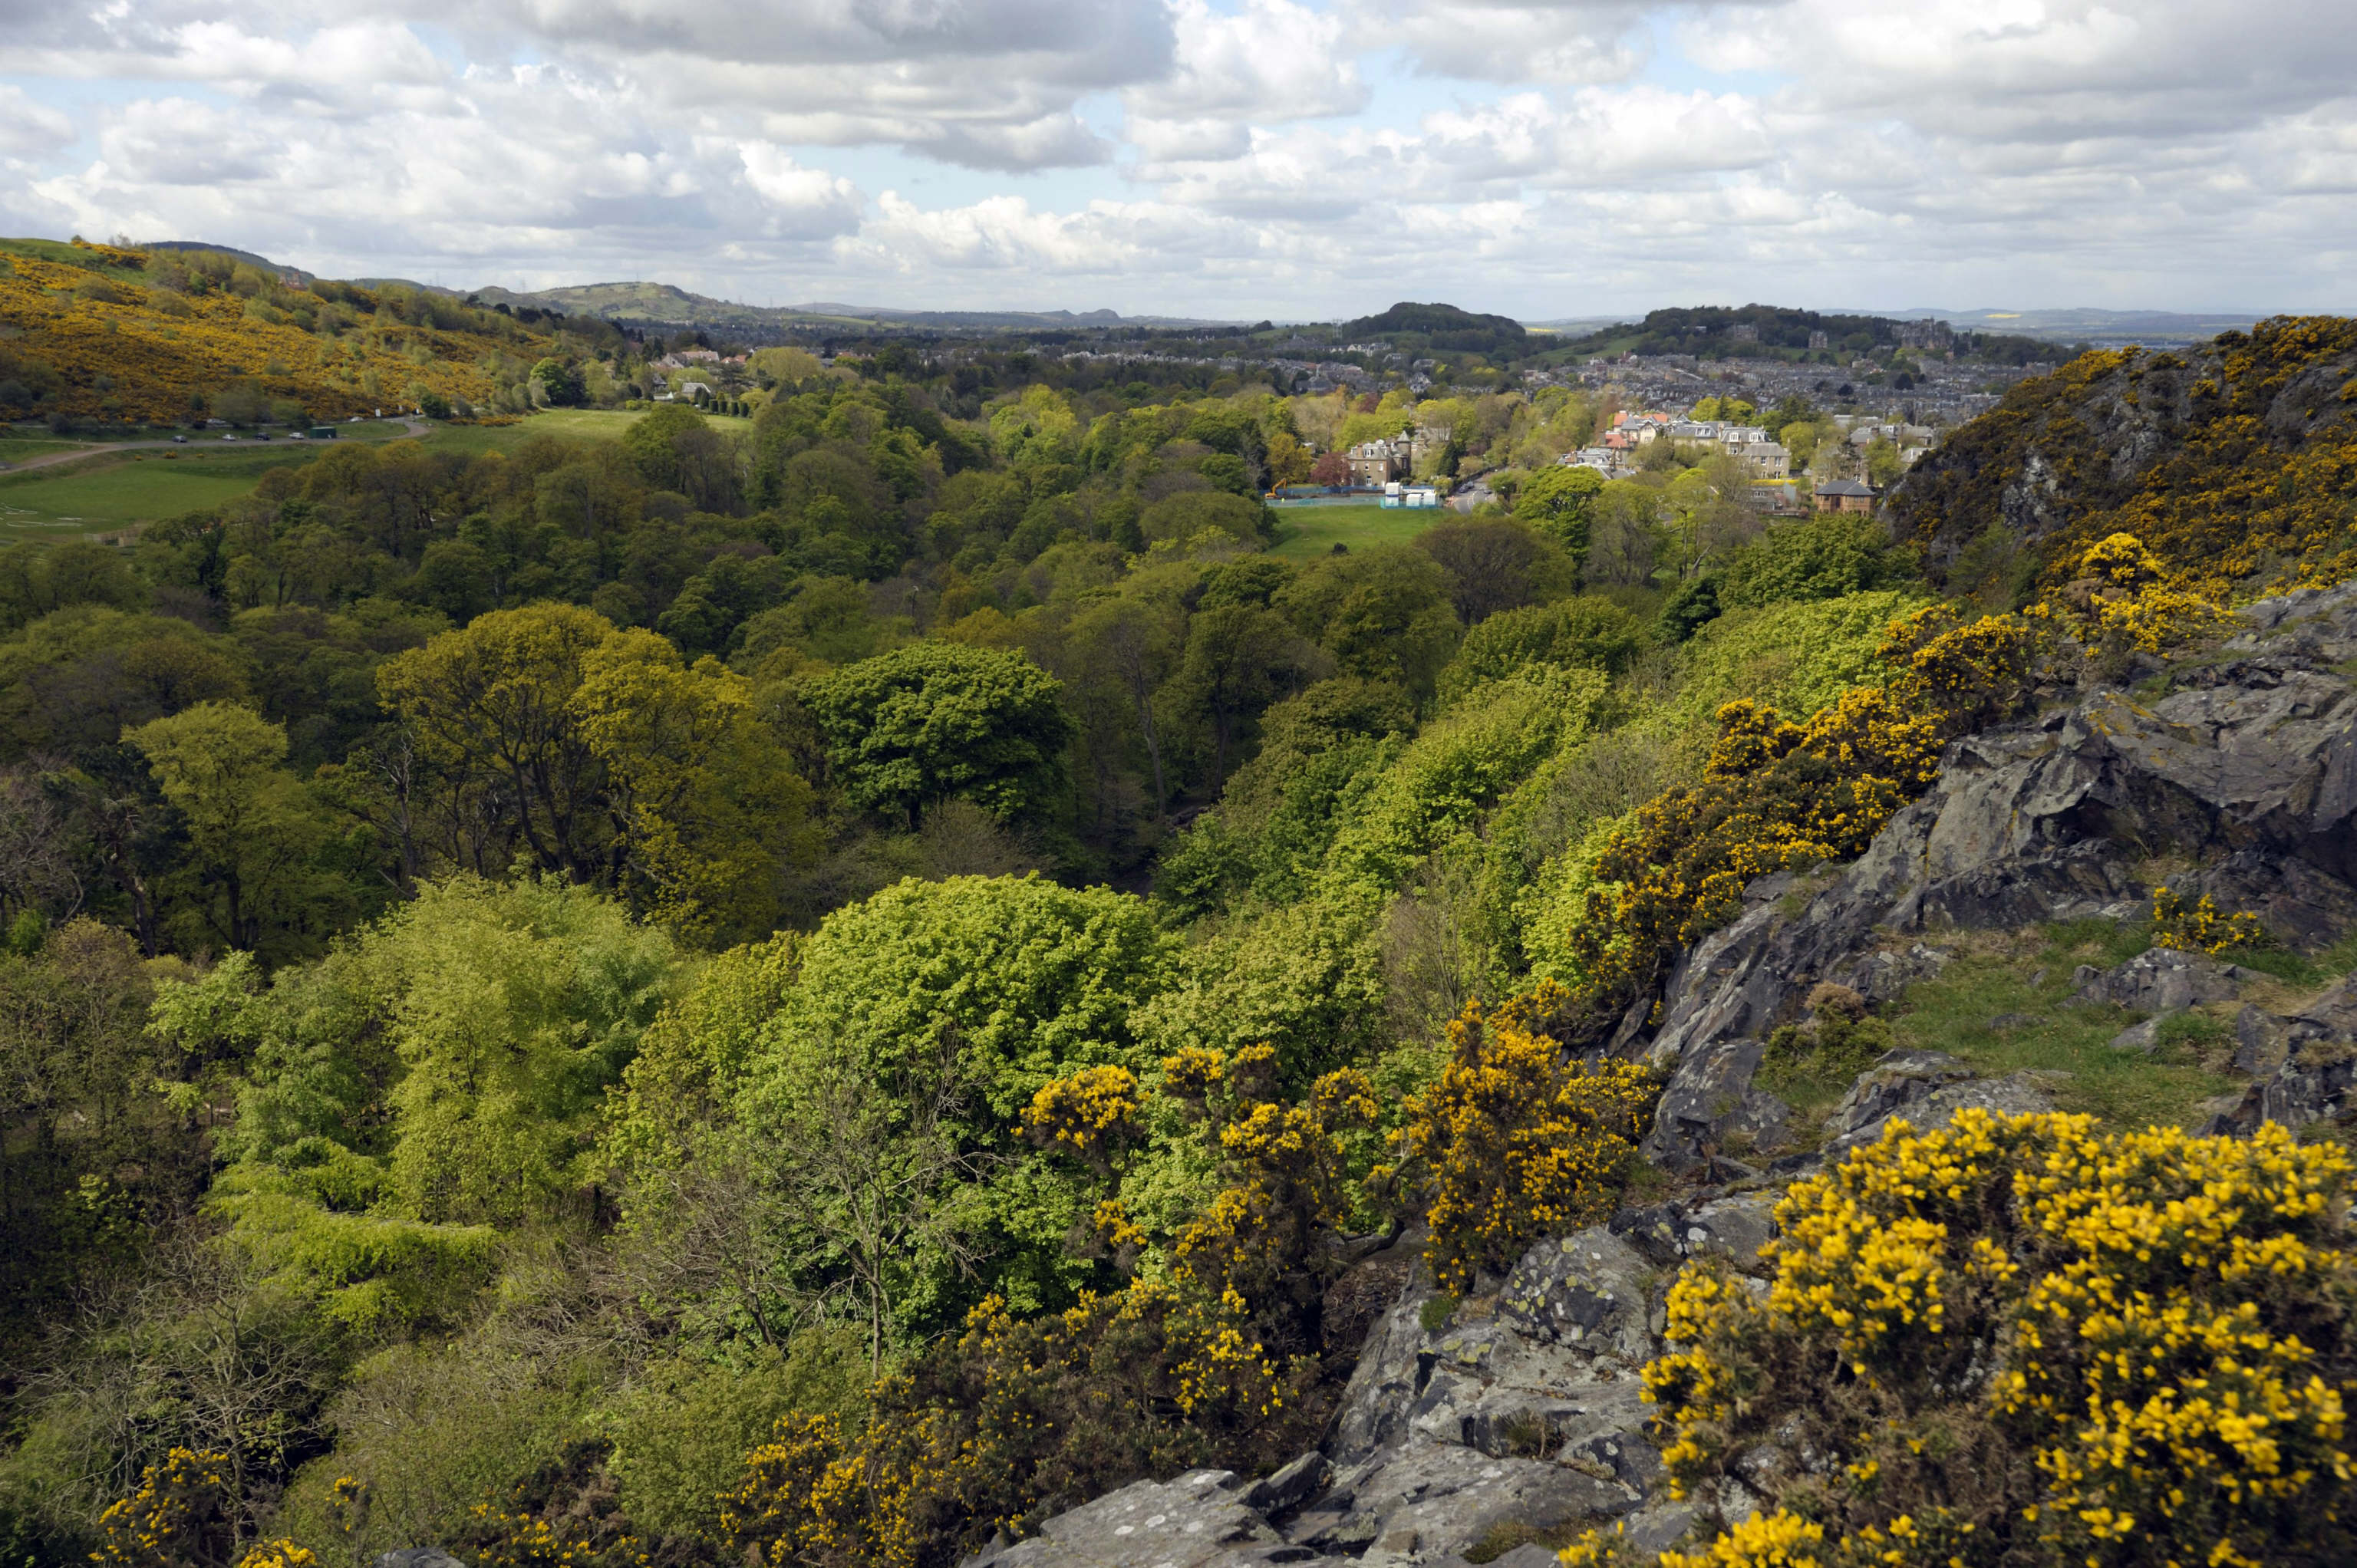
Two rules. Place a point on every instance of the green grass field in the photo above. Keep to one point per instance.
(571, 424)
(1303, 532)
(115, 489)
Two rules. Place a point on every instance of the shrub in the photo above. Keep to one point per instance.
(1796, 657)
(1819, 558)
(183, 1516)
(2022, 1339)
(1515, 1146)
(1589, 631)
(2199, 927)
(1776, 795)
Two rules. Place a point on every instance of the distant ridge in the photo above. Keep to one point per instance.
(2059, 325)
(668, 305)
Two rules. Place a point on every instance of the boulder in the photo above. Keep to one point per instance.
(1895, 1080)
(1196, 1521)
(1278, 1495)
(416, 1557)
(2161, 980)
(2016, 1094)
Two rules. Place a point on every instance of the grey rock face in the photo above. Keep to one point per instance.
(2164, 980)
(2251, 769)
(2258, 1042)
(1194, 1521)
(417, 1557)
(2317, 1070)
(1524, 1407)
(1710, 1103)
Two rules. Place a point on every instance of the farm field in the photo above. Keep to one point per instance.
(116, 489)
(1303, 532)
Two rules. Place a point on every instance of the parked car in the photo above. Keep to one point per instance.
(180, 440)
(229, 438)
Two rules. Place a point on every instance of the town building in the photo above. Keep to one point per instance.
(1374, 464)
(1844, 495)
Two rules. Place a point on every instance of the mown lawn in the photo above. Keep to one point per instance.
(1309, 530)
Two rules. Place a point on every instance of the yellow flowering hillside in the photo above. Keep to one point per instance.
(2231, 461)
(99, 333)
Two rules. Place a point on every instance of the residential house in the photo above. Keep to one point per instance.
(1844, 495)
(1606, 460)
(1374, 464)
(1763, 459)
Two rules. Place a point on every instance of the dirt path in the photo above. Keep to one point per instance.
(414, 427)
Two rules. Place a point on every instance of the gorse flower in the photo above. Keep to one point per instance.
(2047, 1344)
(1516, 1145)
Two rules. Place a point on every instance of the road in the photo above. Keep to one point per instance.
(414, 427)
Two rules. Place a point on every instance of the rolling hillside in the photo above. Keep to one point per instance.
(97, 333)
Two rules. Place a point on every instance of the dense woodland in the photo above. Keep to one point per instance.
(828, 991)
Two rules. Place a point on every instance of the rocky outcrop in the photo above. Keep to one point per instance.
(2162, 979)
(2250, 768)
(2313, 1055)
(1520, 1406)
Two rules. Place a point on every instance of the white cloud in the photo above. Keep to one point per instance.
(1219, 156)
(28, 127)
(805, 203)
(1501, 40)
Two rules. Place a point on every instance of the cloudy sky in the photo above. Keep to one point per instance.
(1222, 157)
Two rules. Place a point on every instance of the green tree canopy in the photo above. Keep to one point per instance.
(920, 1026)
(937, 720)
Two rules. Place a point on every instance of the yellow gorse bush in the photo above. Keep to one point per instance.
(2126, 599)
(278, 1553)
(1515, 1144)
(2033, 1341)
(2200, 927)
(181, 1515)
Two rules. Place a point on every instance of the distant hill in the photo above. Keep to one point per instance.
(1720, 331)
(1446, 328)
(156, 333)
